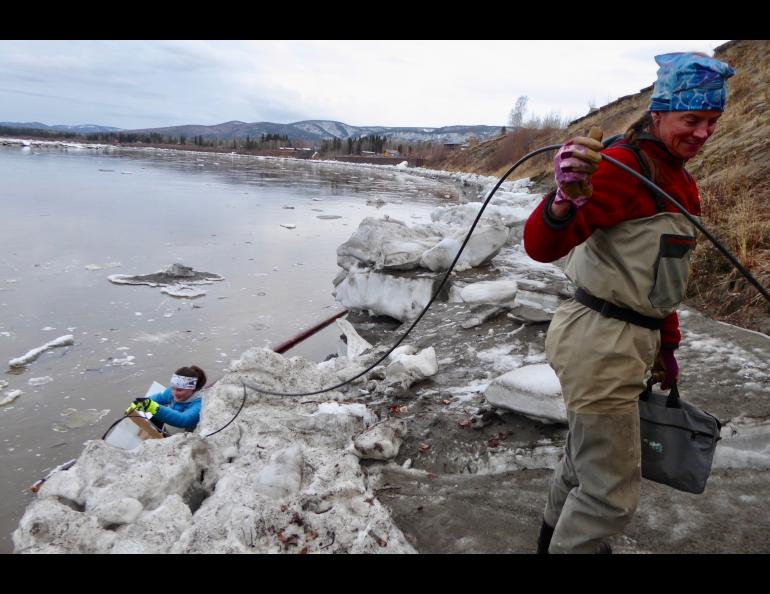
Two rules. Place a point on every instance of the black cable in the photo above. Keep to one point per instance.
(236, 414)
(725, 252)
(119, 420)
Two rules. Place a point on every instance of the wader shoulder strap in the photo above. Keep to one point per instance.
(615, 141)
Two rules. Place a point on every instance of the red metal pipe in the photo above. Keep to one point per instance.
(285, 346)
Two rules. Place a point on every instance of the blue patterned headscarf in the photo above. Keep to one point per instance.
(690, 82)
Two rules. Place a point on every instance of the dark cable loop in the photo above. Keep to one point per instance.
(243, 402)
(120, 419)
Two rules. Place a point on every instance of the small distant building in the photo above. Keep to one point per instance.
(391, 153)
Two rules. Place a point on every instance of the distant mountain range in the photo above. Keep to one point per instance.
(80, 129)
(318, 130)
(310, 130)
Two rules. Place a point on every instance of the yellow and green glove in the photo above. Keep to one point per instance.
(143, 405)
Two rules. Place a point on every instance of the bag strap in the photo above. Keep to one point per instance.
(673, 396)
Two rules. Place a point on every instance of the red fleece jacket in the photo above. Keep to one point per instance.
(617, 197)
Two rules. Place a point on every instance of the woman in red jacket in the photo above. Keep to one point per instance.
(628, 253)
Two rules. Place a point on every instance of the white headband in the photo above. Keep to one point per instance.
(184, 383)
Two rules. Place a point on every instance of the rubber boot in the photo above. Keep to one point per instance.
(544, 539)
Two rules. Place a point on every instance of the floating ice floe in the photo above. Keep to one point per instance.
(40, 381)
(66, 340)
(289, 225)
(171, 275)
(533, 391)
(75, 419)
(52, 143)
(10, 396)
(175, 279)
(183, 291)
(127, 360)
(102, 266)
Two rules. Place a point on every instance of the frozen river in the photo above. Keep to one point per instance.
(72, 217)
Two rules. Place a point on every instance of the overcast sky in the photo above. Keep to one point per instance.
(146, 84)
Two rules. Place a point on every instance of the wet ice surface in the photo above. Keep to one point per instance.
(222, 217)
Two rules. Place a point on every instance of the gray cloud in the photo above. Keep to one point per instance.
(139, 84)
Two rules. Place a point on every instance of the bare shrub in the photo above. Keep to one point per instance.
(736, 214)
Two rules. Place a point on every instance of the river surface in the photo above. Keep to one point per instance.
(72, 217)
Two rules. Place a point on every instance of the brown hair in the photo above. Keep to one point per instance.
(193, 371)
(642, 126)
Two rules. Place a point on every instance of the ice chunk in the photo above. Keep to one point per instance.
(490, 293)
(533, 391)
(408, 369)
(534, 306)
(10, 396)
(399, 296)
(382, 441)
(355, 344)
(66, 340)
(483, 245)
(39, 381)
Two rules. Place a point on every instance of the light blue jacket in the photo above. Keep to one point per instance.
(178, 414)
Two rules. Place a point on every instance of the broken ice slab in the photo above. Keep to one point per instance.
(387, 243)
(533, 306)
(533, 391)
(399, 295)
(484, 244)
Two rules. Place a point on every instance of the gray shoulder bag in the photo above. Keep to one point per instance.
(678, 440)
